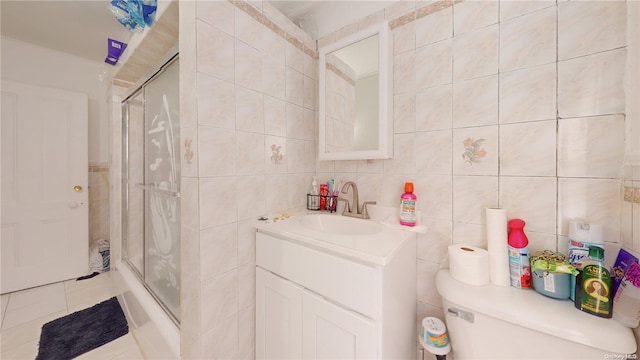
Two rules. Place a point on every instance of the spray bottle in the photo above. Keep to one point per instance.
(519, 266)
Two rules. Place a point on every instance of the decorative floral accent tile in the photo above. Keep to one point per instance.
(188, 153)
(277, 153)
(473, 150)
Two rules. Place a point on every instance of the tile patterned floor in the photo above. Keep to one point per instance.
(24, 313)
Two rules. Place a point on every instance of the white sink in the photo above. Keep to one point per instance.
(342, 225)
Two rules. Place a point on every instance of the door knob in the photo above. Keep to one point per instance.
(77, 188)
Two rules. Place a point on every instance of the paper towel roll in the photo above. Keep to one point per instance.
(469, 264)
(498, 247)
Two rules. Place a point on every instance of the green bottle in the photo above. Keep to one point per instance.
(595, 288)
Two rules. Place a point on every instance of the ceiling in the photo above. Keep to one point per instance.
(79, 27)
(82, 27)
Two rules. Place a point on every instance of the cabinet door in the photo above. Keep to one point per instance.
(331, 332)
(278, 317)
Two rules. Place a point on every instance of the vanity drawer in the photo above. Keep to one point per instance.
(352, 284)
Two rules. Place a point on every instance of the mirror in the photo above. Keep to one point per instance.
(355, 97)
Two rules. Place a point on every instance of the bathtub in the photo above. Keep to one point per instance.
(155, 332)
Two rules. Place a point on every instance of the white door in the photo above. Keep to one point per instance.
(331, 332)
(278, 317)
(44, 235)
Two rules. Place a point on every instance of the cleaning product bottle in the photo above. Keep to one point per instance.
(408, 206)
(519, 267)
(314, 200)
(595, 288)
(626, 300)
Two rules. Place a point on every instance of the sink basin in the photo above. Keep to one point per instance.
(336, 224)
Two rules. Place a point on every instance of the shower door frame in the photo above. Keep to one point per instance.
(138, 88)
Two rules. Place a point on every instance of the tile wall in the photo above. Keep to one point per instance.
(248, 125)
(518, 105)
(495, 104)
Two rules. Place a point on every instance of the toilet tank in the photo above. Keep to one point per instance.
(494, 322)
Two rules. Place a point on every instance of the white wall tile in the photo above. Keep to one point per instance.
(218, 250)
(472, 195)
(294, 57)
(220, 295)
(273, 78)
(247, 334)
(246, 241)
(433, 152)
(215, 52)
(426, 276)
(251, 196)
(248, 66)
(591, 147)
(528, 94)
(528, 149)
(217, 13)
(469, 234)
(248, 30)
(434, 194)
(295, 155)
(596, 200)
(188, 151)
(475, 151)
(403, 72)
(250, 153)
(512, 9)
(435, 27)
(471, 15)
(216, 147)
(532, 199)
(403, 155)
(247, 286)
(275, 121)
(404, 111)
(294, 87)
(276, 193)
(221, 341)
(587, 27)
(434, 64)
(434, 109)
(219, 108)
(275, 155)
(249, 110)
(218, 201)
(404, 38)
(189, 209)
(592, 85)
(295, 121)
(475, 102)
(433, 246)
(528, 40)
(274, 47)
(475, 54)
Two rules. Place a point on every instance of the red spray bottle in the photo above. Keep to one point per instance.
(519, 267)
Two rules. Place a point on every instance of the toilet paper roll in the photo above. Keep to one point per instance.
(498, 247)
(469, 264)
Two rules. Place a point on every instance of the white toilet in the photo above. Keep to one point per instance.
(494, 322)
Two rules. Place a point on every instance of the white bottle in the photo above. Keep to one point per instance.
(314, 200)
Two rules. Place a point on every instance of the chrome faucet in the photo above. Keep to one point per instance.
(355, 210)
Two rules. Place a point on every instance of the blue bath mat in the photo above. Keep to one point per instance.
(82, 331)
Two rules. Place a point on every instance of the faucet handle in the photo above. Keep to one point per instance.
(365, 213)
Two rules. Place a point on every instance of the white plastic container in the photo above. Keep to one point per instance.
(582, 235)
(626, 303)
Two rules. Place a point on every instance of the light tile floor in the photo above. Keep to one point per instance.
(24, 313)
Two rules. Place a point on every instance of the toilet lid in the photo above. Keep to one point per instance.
(527, 308)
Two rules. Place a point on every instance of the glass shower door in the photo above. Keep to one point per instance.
(162, 177)
(151, 221)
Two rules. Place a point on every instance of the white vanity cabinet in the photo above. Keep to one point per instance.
(316, 303)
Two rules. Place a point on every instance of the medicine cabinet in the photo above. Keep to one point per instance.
(355, 96)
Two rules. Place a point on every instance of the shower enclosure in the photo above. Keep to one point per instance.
(151, 186)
